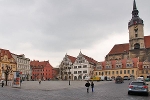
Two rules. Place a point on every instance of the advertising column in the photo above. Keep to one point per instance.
(16, 80)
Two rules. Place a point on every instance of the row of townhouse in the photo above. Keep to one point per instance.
(130, 67)
(76, 68)
(30, 70)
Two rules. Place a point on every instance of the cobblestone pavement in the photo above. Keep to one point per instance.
(60, 90)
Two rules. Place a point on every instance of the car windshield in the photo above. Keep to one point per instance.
(138, 83)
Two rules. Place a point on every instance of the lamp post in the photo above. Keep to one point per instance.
(69, 74)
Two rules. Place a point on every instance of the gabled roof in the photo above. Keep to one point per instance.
(122, 48)
(119, 48)
(5, 52)
(90, 60)
(72, 59)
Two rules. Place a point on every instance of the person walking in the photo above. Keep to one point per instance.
(2, 83)
(92, 86)
(39, 81)
(87, 86)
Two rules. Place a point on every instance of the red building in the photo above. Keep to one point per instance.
(41, 70)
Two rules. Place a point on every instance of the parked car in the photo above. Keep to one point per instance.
(147, 79)
(140, 79)
(126, 78)
(119, 79)
(109, 78)
(138, 87)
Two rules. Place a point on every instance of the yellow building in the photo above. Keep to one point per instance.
(6, 59)
(125, 67)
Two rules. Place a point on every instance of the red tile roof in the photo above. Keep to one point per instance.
(123, 61)
(122, 48)
(72, 58)
(147, 41)
(119, 48)
(90, 60)
(36, 63)
(5, 52)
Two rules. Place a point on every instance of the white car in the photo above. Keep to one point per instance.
(109, 78)
(140, 79)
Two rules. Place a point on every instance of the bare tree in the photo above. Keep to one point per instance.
(7, 70)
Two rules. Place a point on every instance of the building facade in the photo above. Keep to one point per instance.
(113, 68)
(65, 68)
(23, 65)
(41, 70)
(83, 67)
(76, 68)
(6, 60)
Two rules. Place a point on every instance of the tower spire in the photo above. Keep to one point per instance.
(135, 16)
(135, 11)
(134, 5)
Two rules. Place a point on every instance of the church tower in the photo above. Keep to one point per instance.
(136, 35)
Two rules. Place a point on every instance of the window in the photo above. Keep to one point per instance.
(116, 72)
(99, 73)
(79, 66)
(79, 72)
(84, 66)
(136, 35)
(75, 67)
(85, 71)
(75, 72)
(96, 73)
(146, 71)
(128, 71)
(132, 71)
(121, 72)
(113, 72)
(124, 71)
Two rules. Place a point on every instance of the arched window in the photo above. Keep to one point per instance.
(75, 77)
(137, 46)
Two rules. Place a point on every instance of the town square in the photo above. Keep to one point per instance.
(61, 90)
(71, 50)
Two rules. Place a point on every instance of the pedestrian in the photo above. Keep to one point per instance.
(2, 83)
(92, 86)
(39, 81)
(87, 86)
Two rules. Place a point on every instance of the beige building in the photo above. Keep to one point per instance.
(6, 60)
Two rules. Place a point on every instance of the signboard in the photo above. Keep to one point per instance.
(16, 80)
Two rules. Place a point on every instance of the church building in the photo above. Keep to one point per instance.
(138, 46)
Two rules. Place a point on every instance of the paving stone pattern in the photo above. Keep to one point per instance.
(60, 90)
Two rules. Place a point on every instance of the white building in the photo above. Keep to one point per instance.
(83, 67)
(65, 67)
(23, 65)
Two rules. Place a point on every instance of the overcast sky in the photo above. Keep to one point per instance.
(48, 29)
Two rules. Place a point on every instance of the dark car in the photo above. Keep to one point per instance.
(138, 87)
(119, 79)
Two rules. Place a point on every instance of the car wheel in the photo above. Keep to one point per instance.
(129, 93)
(147, 94)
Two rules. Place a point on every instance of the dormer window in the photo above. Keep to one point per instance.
(99, 67)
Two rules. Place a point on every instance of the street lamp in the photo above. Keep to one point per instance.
(69, 74)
